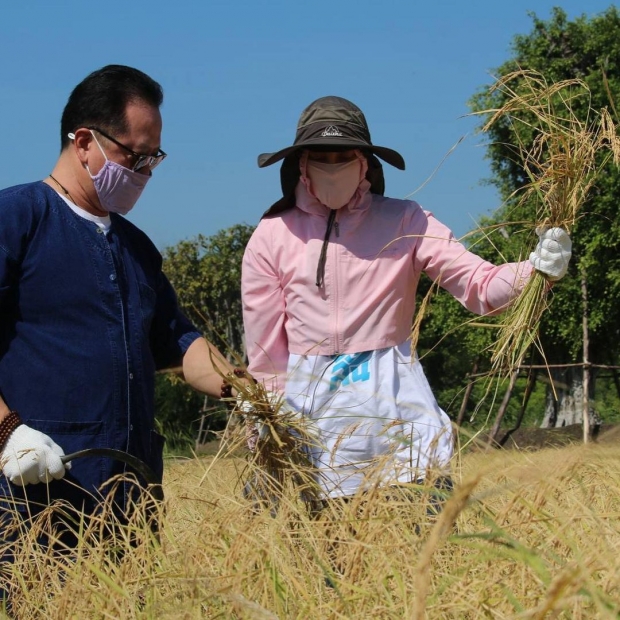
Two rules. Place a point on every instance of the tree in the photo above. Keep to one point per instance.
(588, 49)
(206, 275)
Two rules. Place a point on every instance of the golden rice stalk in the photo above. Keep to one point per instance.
(561, 166)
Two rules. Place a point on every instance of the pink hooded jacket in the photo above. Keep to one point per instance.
(377, 251)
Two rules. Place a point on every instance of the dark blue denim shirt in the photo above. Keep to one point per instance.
(85, 320)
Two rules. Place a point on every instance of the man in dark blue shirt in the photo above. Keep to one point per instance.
(86, 314)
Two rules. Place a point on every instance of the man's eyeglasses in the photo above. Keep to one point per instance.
(152, 161)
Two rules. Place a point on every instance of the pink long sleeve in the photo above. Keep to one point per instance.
(482, 287)
(264, 319)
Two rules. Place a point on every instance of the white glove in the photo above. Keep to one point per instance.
(552, 254)
(30, 456)
(255, 428)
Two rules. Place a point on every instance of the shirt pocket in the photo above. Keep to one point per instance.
(73, 436)
(86, 475)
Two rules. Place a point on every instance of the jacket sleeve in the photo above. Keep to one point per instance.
(264, 312)
(481, 286)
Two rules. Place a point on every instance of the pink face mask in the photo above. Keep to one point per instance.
(117, 187)
(335, 184)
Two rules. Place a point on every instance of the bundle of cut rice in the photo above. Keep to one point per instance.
(560, 163)
(280, 441)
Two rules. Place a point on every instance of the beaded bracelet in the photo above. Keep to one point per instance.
(8, 425)
(226, 390)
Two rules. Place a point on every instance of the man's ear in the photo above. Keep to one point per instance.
(83, 142)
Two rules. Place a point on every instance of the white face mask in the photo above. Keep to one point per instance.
(334, 184)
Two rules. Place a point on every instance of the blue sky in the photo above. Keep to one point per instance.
(236, 76)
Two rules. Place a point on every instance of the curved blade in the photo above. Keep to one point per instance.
(133, 461)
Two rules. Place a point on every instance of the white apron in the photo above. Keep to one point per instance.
(376, 418)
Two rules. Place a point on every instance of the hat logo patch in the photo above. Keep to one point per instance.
(331, 132)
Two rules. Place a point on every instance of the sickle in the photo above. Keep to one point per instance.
(133, 461)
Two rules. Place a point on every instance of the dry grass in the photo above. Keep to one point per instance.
(526, 535)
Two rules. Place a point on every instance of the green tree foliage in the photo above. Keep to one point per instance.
(451, 350)
(448, 349)
(588, 49)
(560, 49)
(206, 275)
(178, 409)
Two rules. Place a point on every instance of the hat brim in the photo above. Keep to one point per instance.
(387, 155)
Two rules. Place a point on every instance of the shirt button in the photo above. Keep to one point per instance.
(113, 277)
(131, 427)
(100, 230)
(131, 375)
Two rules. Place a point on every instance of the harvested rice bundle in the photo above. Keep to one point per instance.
(558, 144)
(280, 441)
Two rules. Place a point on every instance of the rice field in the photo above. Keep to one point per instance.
(524, 535)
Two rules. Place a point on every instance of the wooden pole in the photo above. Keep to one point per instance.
(502, 408)
(547, 366)
(586, 360)
(614, 375)
(468, 389)
(529, 388)
(202, 431)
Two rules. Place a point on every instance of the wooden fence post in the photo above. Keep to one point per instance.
(586, 358)
(502, 408)
(468, 389)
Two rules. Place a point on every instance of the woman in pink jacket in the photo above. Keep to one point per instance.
(329, 284)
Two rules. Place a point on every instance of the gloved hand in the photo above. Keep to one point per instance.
(255, 429)
(30, 456)
(553, 252)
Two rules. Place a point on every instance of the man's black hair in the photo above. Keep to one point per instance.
(101, 98)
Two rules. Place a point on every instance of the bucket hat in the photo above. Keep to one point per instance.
(333, 122)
